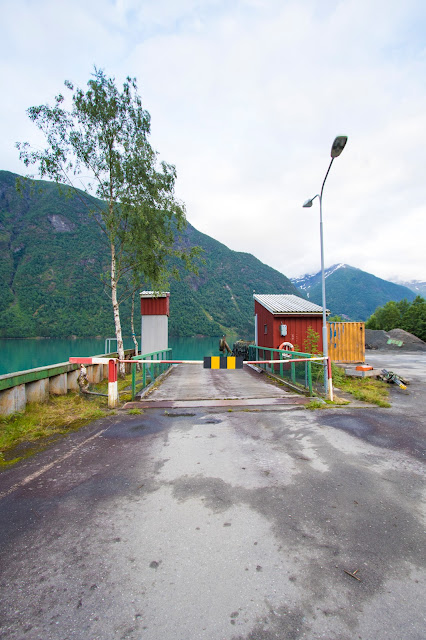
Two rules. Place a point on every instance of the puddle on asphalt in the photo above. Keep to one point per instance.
(355, 426)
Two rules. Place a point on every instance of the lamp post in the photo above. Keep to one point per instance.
(336, 150)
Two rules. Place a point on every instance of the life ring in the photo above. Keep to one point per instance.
(286, 344)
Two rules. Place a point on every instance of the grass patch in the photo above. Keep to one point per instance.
(326, 404)
(315, 404)
(365, 389)
(135, 412)
(124, 385)
(372, 391)
(339, 401)
(22, 434)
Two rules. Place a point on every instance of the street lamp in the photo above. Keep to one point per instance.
(336, 150)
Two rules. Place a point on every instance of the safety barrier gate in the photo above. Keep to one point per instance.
(277, 361)
(287, 364)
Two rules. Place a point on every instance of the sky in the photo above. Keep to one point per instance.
(246, 98)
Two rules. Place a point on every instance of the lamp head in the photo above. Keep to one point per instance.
(309, 202)
(338, 146)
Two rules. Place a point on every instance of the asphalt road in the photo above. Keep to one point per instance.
(219, 525)
(403, 427)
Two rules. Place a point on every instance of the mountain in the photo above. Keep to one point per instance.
(53, 256)
(417, 286)
(350, 292)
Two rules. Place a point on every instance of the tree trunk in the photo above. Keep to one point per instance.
(118, 334)
(132, 325)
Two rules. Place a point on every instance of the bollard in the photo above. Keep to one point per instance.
(112, 376)
(330, 379)
(112, 384)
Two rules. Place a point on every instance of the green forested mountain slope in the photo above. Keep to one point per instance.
(222, 294)
(352, 293)
(52, 256)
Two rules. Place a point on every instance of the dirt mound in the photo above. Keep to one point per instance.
(395, 340)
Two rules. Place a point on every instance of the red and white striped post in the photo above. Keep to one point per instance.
(330, 379)
(112, 376)
(112, 384)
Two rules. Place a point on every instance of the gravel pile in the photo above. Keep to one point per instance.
(376, 339)
(379, 340)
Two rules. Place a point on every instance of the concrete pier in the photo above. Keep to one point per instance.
(37, 391)
(12, 400)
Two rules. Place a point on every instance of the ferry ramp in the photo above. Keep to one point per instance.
(190, 386)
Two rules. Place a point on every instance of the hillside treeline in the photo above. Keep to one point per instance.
(54, 266)
(410, 316)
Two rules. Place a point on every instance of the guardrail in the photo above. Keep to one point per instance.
(291, 365)
(150, 366)
(278, 360)
(36, 385)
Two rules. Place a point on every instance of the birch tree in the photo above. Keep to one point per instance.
(100, 144)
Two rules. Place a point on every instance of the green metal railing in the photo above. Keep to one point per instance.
(297, 372)
(150, 369)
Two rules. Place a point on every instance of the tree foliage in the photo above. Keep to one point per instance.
(102, 140)
(310, 344)
(410, 316)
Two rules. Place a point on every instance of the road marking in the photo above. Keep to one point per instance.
(40, 472)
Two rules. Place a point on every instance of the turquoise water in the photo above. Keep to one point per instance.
(19, 354)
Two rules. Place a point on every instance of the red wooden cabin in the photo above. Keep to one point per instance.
(285, 318)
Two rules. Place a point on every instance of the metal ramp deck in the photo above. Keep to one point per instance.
(191, 386)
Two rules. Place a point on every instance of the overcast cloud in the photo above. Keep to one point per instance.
(246, 98)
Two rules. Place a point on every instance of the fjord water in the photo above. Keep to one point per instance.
(20, 354)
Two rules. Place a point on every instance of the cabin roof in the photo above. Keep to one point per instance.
(154, 294)
(286, 303)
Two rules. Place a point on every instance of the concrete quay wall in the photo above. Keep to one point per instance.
(37, 385)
